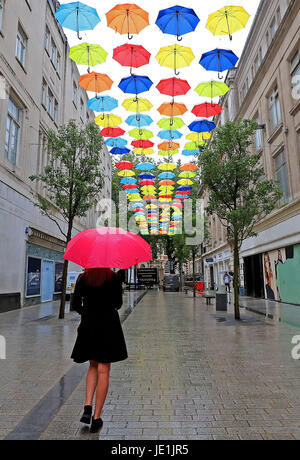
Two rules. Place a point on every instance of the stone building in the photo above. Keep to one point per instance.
(266, 87)
(39, 91)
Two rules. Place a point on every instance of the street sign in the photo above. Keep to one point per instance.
(147, 276)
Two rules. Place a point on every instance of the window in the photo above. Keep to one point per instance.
(295, 73)
(58, 63)
(47, 39)
(282, 176)
(44, 90)
(21, 46)
(258, 139)
(53, 53)
(75, 93)
(273, 28)
(50, 103)
(81, 108)
(55, 113)
(12, 131)
(1, 12)
(258, 61)
(275, 110)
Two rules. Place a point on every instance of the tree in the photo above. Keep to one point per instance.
(239, 193)
(71, 181)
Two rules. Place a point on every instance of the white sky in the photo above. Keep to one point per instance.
(153, 39)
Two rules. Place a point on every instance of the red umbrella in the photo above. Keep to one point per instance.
(181, 192)
(131, 55)
(129, 187)
(177, 205)
(138, 210)
(147, 182)
(112, 132)
(173, 87)
(207, 110)
(125, 165)
(107, 247)
(142, 144)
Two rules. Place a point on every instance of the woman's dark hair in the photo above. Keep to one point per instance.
(98, 276)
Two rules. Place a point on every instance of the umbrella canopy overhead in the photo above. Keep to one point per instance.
(87, 54)
(169, 134)
(177, 21)
(77, 16)
(198, 138)
(119, 151)
(172, 109)
(212, 89)
(171, 123)
(173, 87)
(108, 120)
(206, 110)
(145, 166)
(169, 146)
(127, 19)
(137, 105)
(219, 60)
(96, 82)
(139, 120)
(143, 151)
(227, 20)
(103, 104)
(142, 144)
(131, 56)
(135, 84)
(202, 126)
(175, 57)
(112, 132)
(141, 134)
(116, 142)
(107, 247)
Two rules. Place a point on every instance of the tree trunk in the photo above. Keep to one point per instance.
(236, 279)
(63, 294)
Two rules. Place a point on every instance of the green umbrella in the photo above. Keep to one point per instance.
(87, 54)
(141, 134)
(171, 123)
(212, 89)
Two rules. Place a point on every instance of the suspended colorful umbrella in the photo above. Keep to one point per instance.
(116, 142)
(108, 120)
(185, 182)
(139, 120)
(147, 182)
(170, 135)
(96, 82)
(119, 151)
(171, 109)
(171, 123)
(87, 54)
(173, 87)
(169, 146)
(187, 175)
(184, 188)
(127, 19)
(137, 105)
(167, 153)
(202, 126)
(189, 167)
(133, 191)
(77, 16)
(124, 165)
(146, 176)
(129, 187)
(175, 57)
(207, 110)
(126, 173)
(142, 144)
(145, 166)
(103, 104)
(193, 146)
(188, 153)
(177, 21)
(212, 89)
(166, 182)
(131, 56)
(141, 133)
(167, 167)
(112, 132)
(198, 138)
(166, 175)
(143, 151)
(227, 20)
(219, 60)
(148, 188)
(128, 180)
(135, 84)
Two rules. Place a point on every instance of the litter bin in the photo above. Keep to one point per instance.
(221, 302)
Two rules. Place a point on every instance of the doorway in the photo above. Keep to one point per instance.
(47, 280)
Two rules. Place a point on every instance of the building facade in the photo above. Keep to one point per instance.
(39, 91)
(266, 87)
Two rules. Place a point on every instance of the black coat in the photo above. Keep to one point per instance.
(100, 336)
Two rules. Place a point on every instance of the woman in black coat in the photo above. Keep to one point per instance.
(97, 297)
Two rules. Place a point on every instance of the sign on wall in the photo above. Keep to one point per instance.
(33, 280)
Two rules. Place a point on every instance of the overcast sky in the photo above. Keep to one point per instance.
(153, 39)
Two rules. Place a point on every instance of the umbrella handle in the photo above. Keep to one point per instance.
(140, 132)
(179, 38)
(176, 72)
(130, 37)
(78, 36)
(220, 77)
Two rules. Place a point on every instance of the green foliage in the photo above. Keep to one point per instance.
(239, 193)
(72, 180)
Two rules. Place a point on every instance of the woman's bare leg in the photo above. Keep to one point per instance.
(91, 383)
(102, 388)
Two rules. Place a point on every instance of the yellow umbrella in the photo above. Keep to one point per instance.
(143, 151)
(227, 20)
(175, 57)
(148, 188)
(126, 173)
(166, 188)
(168, 200)
(141, 134)
(151, 206)
(185, 182)
(167, 167)
(164, 153)
(198, 137)
(137, 105)
(108, 120)
(187, 175)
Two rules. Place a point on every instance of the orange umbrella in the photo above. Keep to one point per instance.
(166, 182)
(169, 146)
(172, 109)
(127, 19)
(188, 167)
(96, 82)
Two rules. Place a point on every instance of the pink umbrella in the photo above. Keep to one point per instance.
(107, 247)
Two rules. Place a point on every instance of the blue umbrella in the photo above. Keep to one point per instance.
(116, 142)
(184, 188)
(219, 60)
(170, 134)
(166, 175)
(146, 176)
(119, 151)
(103, 104)
(140, 213)
(190, 153)
(128, 181)
(133, 191)
(145, 166)
(77, 16)
(177, 20)
(139, 120)
(137, 205)
(176, 217)
(135, 84)
(202, 126)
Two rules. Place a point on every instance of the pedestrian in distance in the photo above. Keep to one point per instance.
(100, 340)
(227, 280)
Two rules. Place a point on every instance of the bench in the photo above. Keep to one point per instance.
(188, 288)
(208, 298)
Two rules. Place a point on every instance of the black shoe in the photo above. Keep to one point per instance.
(96, 425)
(87, 415)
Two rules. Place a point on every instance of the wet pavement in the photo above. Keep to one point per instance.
(192, 373)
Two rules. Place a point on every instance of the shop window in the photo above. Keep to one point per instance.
(33, 277)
